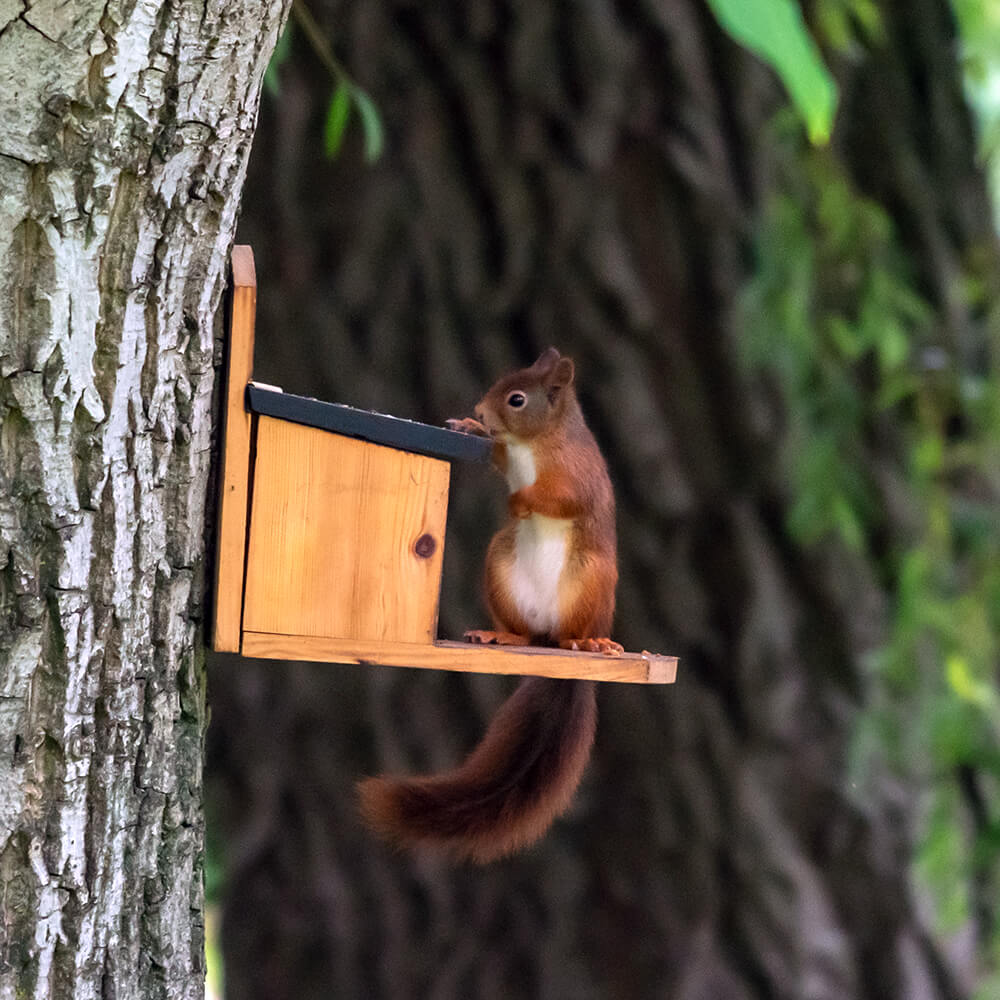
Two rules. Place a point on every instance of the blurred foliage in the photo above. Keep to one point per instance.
(774, 31)
(282, 50)
(833, 312)
(894, 450)
(979, 28)
(846, 26)
(214, 965)
(347, 95)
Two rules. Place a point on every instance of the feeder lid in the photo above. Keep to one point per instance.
(378, 428)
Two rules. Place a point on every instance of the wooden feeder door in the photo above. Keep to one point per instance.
(346, 537)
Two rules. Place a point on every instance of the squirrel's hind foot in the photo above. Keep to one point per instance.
(606, 646)
(482, 637)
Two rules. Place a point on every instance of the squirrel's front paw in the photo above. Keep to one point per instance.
(467, 425)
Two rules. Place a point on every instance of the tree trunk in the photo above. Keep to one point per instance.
(589, 176)
(124, 136)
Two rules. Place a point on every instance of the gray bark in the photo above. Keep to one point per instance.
(124, 134)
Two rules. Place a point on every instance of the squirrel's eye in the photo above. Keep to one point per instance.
(516, 400)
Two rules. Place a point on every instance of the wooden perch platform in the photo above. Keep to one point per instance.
(331, 533)
(634, 668)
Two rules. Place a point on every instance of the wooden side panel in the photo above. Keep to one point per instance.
(231, 528)
(635, 668)
(346, 537)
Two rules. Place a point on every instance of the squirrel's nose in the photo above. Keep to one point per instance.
(480, 416)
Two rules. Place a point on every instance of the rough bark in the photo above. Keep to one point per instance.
(587, 175)
(124, 135)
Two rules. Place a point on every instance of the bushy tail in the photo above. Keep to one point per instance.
(511, 787)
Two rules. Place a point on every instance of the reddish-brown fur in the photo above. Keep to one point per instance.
(526, 768)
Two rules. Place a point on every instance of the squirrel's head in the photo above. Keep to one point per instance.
(529, 402)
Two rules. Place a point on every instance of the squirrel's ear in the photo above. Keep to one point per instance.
(560, 377)
(562, 374)
(546, 361)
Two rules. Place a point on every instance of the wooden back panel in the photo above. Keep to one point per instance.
(346, 537)
(234, 474)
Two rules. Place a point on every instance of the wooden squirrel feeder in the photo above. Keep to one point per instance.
(331, 532)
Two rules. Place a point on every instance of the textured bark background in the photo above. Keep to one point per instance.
(124, 134)
(587, 175)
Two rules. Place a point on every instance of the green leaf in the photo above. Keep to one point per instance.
(774, 31)
(928, 455)
(337, 115)
(371, 122)
(847, 522)
(942, 863)
(272, 83)
(968, 687)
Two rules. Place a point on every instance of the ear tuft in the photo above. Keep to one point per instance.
(546, 361)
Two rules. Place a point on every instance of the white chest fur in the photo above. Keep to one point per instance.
(540, 548)
(540, 552)
(521, 469)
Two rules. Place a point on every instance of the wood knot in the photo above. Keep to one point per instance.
(425, 546)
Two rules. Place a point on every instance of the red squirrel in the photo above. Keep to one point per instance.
(551, 572)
